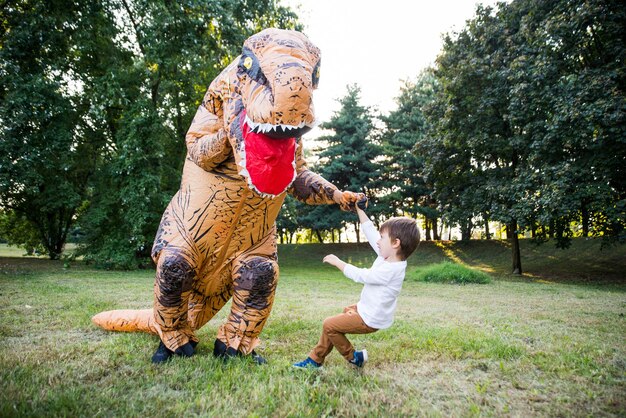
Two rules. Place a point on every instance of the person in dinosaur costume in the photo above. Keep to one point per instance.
(217, 237)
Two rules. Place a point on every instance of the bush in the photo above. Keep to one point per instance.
(448, 272)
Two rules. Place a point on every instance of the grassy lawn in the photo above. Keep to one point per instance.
(549, 343)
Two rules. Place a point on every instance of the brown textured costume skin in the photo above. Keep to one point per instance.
(217, 239)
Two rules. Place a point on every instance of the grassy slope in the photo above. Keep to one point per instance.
(545, 344)
(584, 261)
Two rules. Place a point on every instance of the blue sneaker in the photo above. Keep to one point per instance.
(359, 358)
(309, 363)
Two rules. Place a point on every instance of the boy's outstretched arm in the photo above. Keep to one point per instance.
(333, 260)
(357, 274)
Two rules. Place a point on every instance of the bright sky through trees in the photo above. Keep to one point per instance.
(376, 44)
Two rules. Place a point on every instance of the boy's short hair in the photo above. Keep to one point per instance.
(404, 229)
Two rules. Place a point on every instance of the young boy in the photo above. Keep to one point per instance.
(398, 238)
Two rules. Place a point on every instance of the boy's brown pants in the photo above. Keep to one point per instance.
(333, 334)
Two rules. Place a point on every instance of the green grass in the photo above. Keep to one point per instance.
(448, 272)
(549, 343)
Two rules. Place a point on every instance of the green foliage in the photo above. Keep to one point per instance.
(448, 272)
(49, 139)
(521, 131)
(16, 230)
(521, 121)
(178, 50)
(348, 159)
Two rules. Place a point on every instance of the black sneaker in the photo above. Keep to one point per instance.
(257, 358)
(186, 350)
(220, 349)
(163, 354)
(225, 353)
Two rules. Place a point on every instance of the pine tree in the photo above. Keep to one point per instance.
(350, 160)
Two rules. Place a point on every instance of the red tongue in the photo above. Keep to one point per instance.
(269, 161)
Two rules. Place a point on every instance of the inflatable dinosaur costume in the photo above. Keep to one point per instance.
(217, 239)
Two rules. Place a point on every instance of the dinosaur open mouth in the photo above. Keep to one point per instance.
(269, 154)
(278, 131)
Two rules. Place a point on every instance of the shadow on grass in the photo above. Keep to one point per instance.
(585, 262)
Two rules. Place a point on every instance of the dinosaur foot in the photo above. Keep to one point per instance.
(163, 354)
(225, 353)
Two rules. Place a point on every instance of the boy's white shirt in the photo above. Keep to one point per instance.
(382, 284)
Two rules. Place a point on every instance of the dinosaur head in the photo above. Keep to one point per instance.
(277, 73)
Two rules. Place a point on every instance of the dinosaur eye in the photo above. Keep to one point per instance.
(249, 64)
(316, 74)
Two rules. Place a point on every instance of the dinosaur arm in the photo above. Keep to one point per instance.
(313, 189)
(207, 140)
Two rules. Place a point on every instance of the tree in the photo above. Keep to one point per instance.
(50, 138)
(408, 191)
(569, 97)
(473, 126)
(349, 161)
(522, 153)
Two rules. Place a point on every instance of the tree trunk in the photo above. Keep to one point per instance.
(358, 232)
(466, 230)
(517, 260)
(584, 212)
(53, 228)
(427, 229)
(487, 233)
(436, 235)
(559, 229)
(319, 236)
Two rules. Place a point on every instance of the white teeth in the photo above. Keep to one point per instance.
(266, 127)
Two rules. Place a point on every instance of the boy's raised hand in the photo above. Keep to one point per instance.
(362, 202)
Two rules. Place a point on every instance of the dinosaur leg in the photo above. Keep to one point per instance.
(204, 305)
(175, 275)
(254, 284)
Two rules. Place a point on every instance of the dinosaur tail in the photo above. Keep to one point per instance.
(127, 320)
